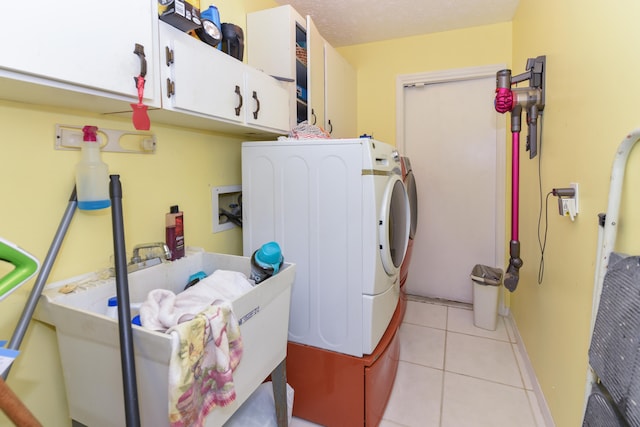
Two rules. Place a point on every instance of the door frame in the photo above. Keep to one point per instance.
(461, 74)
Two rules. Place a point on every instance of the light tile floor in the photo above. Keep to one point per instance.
(453, 374)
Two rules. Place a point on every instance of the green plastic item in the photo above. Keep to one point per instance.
(25, 266)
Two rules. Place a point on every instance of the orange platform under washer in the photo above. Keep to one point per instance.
(337, 390)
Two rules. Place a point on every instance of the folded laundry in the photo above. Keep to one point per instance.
(204, 353)
(164, 309)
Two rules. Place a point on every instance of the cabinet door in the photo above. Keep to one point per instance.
(340, 95)
(86, 44)
(266, 101)
(198, 78)
(271, 38)
(315, 79)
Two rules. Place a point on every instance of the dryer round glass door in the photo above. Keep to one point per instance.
(394, 225)
(412, 193)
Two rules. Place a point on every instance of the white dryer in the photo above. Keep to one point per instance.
(340, 212)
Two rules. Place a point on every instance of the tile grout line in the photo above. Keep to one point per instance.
(444, 364)
(489, 381)
(480, 336)
(515, 346)
(524, 376)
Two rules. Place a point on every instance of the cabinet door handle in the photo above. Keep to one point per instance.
(239, 107)
(330, 127)
(139, 50)
(168, 53)
(255, 113)
(313, 114)
(171, 88)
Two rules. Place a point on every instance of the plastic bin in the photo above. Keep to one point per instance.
(486, 287)
(89, 345)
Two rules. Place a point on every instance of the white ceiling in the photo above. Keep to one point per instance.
(347, 22)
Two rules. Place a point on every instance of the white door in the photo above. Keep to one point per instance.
(455, 141)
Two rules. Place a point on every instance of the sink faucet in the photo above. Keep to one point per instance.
(136, 258)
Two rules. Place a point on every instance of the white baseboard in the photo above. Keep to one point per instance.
(545, 413)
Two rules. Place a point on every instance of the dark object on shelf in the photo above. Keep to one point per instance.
(184, 15)
(210, 32)
(233, 40)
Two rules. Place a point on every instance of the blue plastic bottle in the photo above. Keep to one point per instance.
(92, 174)
(265, 262)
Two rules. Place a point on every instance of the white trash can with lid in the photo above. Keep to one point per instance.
(486, 288)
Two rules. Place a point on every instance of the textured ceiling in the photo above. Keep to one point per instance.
(347, 22)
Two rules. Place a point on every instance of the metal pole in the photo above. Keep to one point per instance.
(132, 413)
(41, 280)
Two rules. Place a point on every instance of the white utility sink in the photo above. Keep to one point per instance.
(89, 346)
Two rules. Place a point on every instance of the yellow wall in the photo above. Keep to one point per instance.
(591, 82)
(36, 182)
(591, 85)
(378, 64)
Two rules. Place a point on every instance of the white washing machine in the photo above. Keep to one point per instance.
(340, 212)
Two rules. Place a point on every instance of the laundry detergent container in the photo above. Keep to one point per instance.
(89, 347)
(486, 291)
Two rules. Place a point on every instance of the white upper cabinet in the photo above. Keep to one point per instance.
(84, 47)
(315, 62)
(198, 78)
(322, 83)
(207, 83)
(277, 44)
(86, 58)
(339, 95)
(266, 104)
(271, 40)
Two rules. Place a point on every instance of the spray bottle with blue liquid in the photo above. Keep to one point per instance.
(92, 174)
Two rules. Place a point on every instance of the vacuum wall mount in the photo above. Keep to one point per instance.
(530, 98)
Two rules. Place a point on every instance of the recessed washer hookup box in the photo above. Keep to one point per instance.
(88, 340)
(182, 14)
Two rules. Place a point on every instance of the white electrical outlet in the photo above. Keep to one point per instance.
(569, 205)
(574, 185)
